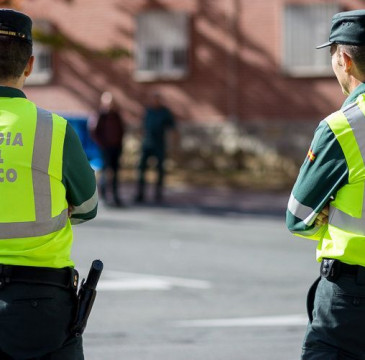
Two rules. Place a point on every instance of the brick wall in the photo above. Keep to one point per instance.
(235, 71)
(235, 62)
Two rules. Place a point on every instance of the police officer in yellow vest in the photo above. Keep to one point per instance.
(327, 204)
(46, 184)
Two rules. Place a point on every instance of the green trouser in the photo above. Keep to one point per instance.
(159, 154)
(336, 330)
(35, 321)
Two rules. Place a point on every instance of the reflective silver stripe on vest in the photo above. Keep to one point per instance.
(346, 222)
(302, 212)
(44, 223)
(40, 163)
(337, 217)
(356, 119)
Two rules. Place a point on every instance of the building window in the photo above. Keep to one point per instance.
(43, 62)
(305, 27)
(162, 46)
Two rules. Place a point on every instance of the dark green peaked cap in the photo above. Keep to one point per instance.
(16, 24)
(348, 28)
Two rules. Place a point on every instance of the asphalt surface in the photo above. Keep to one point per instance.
(210, 275)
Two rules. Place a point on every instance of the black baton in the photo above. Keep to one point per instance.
(86, 297)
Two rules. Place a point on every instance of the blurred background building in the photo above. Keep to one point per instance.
(242, 77)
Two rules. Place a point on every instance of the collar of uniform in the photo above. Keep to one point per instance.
(353, 96)
(6, 91)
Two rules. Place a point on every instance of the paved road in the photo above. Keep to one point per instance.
(201, 278)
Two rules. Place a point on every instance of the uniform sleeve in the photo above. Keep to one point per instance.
(323, 172)
(78, 179)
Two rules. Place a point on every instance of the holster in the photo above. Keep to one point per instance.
(86, 297)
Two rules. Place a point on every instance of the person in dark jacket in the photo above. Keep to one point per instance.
(108, 132)
(157, 121)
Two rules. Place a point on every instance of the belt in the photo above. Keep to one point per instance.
(350, 269)
(66, 277)
(331, 269)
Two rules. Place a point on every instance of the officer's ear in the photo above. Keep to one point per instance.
(29, 67)
(347, 61)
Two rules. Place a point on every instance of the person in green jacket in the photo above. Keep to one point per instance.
(327, 204)
(158, 120)
(46, 184)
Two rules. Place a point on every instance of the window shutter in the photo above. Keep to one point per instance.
(305, 27)
(43, 63)
(162, 45)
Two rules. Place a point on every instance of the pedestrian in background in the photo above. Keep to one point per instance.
(157, 121)
(108, 132)
(46, 184)
(327, 204)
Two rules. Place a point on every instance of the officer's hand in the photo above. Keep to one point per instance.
(69, 210)
(322, 218)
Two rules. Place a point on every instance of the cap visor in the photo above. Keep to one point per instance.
(329, 43)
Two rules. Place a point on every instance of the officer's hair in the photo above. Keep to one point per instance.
(14, 55)
(357, 54)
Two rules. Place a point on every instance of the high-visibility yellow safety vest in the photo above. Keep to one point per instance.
(34, 225)
(344, 237)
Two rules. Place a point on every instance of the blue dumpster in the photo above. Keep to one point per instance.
(79, 124)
